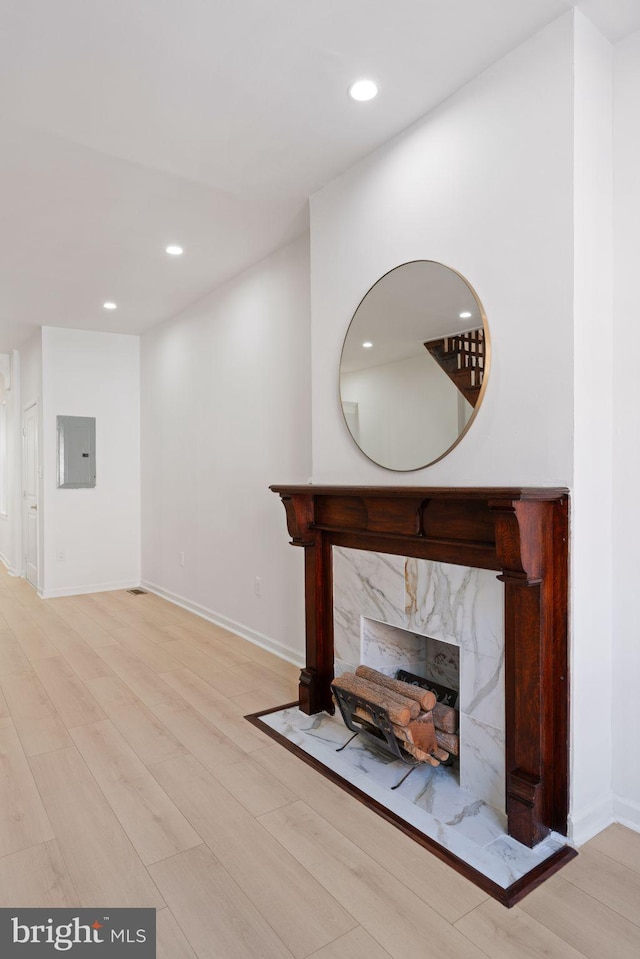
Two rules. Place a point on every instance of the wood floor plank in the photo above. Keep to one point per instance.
(13, 661)
(53, 625)
(102, 863)
(203, 664)
(37, 876)
(38, 725)
(188, 654)
(356, 944)
(146, 684)
(267, 680)
(230, 685)
(150, 630)
(393, 915)
(505, 933)
(106, 619)
(87, 628)
(144, 732)
(612, 884)
(111, 693)
(620, 844)
(156, 657)
(73, 702)
(153, 608)
(450, 894)
(254, 787)
(203, 740)
(34, 642)
(221, 637)
(222, 713)
(206, 901)
(281, 667)
(583, 922)
(254, 859)
(155, 826)
(82, 657)
(257, 701)
(192, 636)
(112, 604)
(170, 939)
(23, 820)
(130, 613)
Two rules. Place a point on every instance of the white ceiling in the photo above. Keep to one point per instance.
(129, 124)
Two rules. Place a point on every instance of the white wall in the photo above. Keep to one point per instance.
(97, 531)
(626, 508)
(484, 185)
(591, 545)
(226, 413)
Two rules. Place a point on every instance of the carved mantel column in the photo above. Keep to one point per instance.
(523, 535)
(315, 678)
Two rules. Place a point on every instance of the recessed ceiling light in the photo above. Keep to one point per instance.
(363, 90)
(110, 305)
(465, 316)
(367, 345)
(174, 250)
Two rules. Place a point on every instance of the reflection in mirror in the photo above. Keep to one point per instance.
(414, 365)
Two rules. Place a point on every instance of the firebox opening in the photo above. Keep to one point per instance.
(400, 663)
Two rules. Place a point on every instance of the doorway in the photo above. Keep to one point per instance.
(30, 492)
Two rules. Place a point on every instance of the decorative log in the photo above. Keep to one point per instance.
(433, 760)
(423, 732)
(402, 733)
(420, 733)
(400, 710)
(445, 718)
(424, 697)
(448, 741)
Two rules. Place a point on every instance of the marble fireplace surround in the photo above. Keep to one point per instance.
(437, 620)
(522, 534)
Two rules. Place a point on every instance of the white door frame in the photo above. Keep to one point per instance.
(30, 497)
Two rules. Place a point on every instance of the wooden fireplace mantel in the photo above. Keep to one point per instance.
(520, 532)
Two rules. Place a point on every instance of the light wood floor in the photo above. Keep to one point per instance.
(128, 777)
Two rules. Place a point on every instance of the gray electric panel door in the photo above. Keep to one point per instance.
(76, 451)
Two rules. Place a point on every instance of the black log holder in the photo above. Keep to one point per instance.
(380, 727)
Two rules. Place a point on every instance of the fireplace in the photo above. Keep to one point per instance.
(464, 665)
(519, 533)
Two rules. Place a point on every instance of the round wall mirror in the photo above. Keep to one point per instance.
(414, 365)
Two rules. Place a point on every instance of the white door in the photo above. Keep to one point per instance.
(30, 491)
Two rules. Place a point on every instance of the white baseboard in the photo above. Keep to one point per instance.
(80, 590)
(10, 569)
(258, 639)
(627, 812)
(587, 823)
